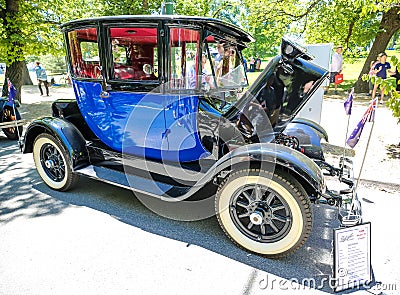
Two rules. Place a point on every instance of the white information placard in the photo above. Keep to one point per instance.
(352, 256)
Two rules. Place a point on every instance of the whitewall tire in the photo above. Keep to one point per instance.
(53, 163)
(265, 213)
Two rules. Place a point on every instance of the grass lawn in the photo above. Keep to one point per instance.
(252, 76)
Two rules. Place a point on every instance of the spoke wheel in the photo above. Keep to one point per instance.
(52, 163)
(8, 116)
(260, 213)
(265, 213)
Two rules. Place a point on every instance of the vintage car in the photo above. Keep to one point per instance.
(10, 119)
(163, 107)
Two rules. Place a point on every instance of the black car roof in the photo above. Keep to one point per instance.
(212, 23)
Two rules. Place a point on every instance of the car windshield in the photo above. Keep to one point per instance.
(223, 74)
(225, 62)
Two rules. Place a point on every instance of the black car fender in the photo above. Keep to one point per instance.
(309, 135)
(269, 156)
(319, 130)
(68, 135)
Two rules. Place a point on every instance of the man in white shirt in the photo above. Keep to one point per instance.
(42, 78)
(336, 65)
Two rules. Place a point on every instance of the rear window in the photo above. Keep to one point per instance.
(134, 52)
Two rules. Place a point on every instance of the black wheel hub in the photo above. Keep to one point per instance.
(52, 162)
(260, 213)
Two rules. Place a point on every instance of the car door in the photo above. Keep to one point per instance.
(182, 100)
(127, 116)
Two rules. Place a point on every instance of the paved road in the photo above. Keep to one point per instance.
(99, 239)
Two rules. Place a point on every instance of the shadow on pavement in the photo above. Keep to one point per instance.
(17, 199)
(24, 194)
(393, 151)
(313, 260)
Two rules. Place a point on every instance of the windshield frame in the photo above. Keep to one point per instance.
(229, 45)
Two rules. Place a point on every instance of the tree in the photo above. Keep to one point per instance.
(14, 44)
(355, 24)
(269, 21)
(358, 23)
(32, 27)
(389, 25)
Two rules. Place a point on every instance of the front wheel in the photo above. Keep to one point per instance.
(52, 163)
(269, 214)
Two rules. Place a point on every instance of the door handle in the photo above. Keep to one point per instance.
(104, 94)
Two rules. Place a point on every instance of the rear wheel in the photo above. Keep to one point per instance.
(52, 163)
(266, 213)
(13, 132)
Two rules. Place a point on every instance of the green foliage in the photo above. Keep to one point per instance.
(34, 29)
(126, 7)
(268, 22)
(394, 99)
(53, 64)
(193, 8)
(394, 104)
(343, 22)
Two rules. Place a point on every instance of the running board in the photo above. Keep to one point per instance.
(133, 182)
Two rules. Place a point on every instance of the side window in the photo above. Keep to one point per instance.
(134, 53)
(85, 61)
(185, 59)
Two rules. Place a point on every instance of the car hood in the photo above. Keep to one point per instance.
(279, 93)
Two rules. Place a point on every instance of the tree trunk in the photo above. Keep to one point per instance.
(14, 73)
(14, 54)
(394, 39)
(26, 78)
(390, 24)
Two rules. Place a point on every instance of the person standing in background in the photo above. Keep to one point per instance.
(258, 64)
(42, 78)
(336, 65)
(252, 64)
(245, 64)
(381, 69)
